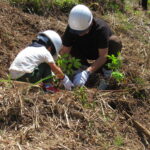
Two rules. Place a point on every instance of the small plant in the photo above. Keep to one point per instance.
(118, 76)
(7, 81)
(115, 62)
(118, 141)
(115, 65)
(139, 80)
(68, 64)
(81, 95)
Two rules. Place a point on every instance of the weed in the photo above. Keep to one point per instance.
(91, 124)
(33, 6)
(118, 141)
(41, 7)
(139, 80)
(127, 25)
(65, 5)
(113, 5)
(118, 76)
(81, 95)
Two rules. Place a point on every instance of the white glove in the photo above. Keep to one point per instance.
(67, 83)
(81, 78)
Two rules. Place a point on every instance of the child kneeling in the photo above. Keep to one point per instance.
(37, 61)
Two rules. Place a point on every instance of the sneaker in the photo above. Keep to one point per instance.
(50, 88)
(103, 85)
(107, 73)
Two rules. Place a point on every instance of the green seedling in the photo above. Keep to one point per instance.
(68, 64)
(81, 95)
(118, 141)
(115, 66)
(118, 76)
(115, 62)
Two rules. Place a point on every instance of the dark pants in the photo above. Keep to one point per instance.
(144, 4)
(43, 71)
(115, 46)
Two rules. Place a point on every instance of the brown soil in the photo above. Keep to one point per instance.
(76, 120)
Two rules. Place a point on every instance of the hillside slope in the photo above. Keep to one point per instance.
(83, 119)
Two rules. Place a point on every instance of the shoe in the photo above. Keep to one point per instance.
(49, 88)
(103, 85)
(106, 73)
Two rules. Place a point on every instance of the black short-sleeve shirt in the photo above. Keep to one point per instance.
(87, 45)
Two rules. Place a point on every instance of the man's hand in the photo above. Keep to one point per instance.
(81, 78)
(67, 83)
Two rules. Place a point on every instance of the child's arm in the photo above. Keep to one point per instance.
(57, 70)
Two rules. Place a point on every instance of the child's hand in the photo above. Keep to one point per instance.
(67, 83)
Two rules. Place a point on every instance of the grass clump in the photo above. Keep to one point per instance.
(65, 5)
(43, 7)
(40, 7)
(81, 95)
(118, 141)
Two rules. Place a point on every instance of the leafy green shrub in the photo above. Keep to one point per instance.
(68, 64)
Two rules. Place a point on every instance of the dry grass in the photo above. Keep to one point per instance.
(31, 119)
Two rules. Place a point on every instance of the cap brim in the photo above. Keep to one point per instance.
(76, 31)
